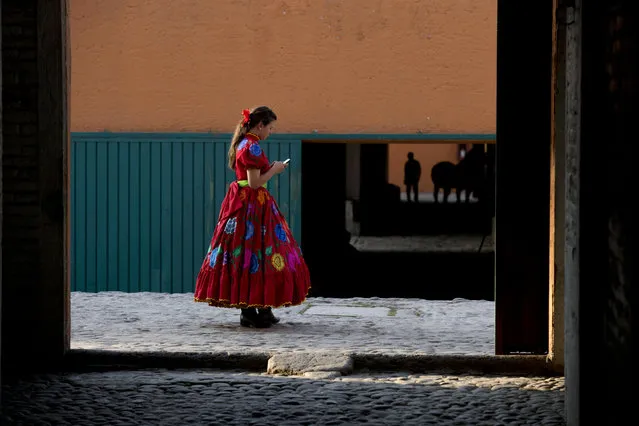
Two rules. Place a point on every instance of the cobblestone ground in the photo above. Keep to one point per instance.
(424, 243)
(234, 398)
(173, 322)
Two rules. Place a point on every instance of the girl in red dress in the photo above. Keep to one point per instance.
(253, 262)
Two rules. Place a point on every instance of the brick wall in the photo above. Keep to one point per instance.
(1, 201)
(20, 120)
(601, 210)
(21, 210)
(34, 113)
(621, 112)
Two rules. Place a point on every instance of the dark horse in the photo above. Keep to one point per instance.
(467, 176)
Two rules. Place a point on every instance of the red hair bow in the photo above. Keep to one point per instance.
(247, 115)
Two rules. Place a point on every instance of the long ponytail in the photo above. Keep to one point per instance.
(238, 135)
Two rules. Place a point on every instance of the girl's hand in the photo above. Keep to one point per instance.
(278, 167)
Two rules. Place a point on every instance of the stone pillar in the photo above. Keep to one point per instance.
(1, 203)
(353, 170)
(35, 296)
(523, 176)
(557, 194)
(572, 225)
(602, 109)
(353, 159)
(374, 178)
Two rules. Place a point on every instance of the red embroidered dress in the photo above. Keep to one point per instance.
(253, 260)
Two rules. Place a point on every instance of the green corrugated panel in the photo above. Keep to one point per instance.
(144, 206)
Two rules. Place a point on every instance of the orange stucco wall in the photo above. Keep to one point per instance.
(335, 66)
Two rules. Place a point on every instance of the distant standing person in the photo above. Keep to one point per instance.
(412, 173)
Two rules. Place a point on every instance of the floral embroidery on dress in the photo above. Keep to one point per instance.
(242, 144)
(281, 233)
(231, 225)
(255, 264)
(213, 258)
(250, 229)
(292, 260)
(247, 258)
(255, 150)
(278, 261)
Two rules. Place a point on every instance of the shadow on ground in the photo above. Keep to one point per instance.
(424, 218)
(431, 276)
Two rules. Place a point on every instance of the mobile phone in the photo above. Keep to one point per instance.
(287, 161)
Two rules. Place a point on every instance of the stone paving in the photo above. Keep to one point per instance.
(424, 243)
(174, 323)
(236, 398)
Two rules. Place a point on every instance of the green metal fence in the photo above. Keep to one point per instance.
(144, 206)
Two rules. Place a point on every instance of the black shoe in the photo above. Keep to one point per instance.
(250, 318)
(267, 315)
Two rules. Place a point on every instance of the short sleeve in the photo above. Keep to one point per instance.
(252, 157)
